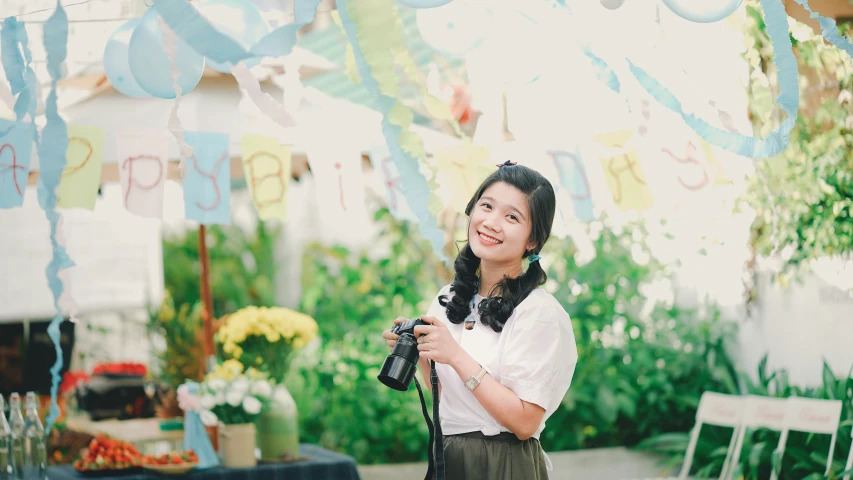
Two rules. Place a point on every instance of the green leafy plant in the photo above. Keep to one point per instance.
(242, 267)
(614, 400)
(180, 357)
(805, 454)
(639, 373)
(807, 205)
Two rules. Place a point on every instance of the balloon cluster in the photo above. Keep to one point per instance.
(137, 65)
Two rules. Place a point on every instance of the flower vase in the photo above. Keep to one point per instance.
(278, 428)
(237, 445)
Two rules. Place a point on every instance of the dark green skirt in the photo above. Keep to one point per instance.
(474, 456)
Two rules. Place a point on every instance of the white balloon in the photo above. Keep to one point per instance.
(612, 4)
(703, 11)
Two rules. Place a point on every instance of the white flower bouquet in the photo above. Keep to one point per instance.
(230, 396)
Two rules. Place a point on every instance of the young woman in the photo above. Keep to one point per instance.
(504, 349)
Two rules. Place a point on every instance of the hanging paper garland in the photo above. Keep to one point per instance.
(52, 150)
(377, 75)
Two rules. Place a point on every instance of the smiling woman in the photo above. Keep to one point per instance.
(503, 348)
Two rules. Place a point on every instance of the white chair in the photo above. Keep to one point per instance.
(758, 412)
(720, 410)
(812, 416)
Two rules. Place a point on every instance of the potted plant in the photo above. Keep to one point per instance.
(266, 338)
(233, 400)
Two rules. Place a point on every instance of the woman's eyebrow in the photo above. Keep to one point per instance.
(510, 207)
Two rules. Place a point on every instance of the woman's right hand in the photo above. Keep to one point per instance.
(391, 338)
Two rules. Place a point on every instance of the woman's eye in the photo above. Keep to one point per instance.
(486, 206)
(513, 218)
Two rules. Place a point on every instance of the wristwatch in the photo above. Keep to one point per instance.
(474, 381)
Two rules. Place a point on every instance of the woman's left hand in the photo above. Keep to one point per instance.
(436, 343)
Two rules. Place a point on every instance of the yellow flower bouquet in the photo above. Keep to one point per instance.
(266, 337)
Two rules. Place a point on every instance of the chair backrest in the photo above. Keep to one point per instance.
(759, 412)
(813, 416)
(715, 409)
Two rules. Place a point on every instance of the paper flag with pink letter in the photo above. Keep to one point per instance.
(386, 169)
(574, 182)
(623, 173)
(207, 183)
(336, 166)
(267, 166)
(16, 148)
(78, 186)
(142, 160)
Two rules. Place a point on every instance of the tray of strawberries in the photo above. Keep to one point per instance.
(107, 456)
(174, 463)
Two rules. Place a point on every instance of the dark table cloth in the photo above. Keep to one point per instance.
(321, 464)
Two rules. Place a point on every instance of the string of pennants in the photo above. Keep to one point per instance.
(142, 163)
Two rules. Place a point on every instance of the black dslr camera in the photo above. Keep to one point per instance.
(400, 366)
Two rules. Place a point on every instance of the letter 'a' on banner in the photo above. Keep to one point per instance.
(16, 148)
(143, 156)
(207, 183)
(78, 186)
(267, 167)
(623, 173)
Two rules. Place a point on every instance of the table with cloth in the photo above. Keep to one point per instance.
(320, 464)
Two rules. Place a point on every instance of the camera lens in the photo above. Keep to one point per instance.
(399, 367)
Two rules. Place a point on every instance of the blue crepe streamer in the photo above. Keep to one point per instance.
(415, 187)
(603, 71)
(829, 29)
(195, 435)
(19, 72)
(52, 149)
(194, 29)
(789, 96)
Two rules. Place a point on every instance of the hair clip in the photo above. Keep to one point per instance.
(507, 164)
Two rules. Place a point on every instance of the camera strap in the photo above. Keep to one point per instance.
(436, 440)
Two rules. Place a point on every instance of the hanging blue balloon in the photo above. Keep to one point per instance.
(703, 11)
(116, 65)
(150, 64)
(238, 19)
(423, 3)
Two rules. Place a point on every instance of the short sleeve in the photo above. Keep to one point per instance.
(540, 355)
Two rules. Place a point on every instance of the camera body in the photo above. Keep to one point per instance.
(400, 366)
(407, 327)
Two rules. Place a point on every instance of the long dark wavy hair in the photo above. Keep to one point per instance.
(509, 292)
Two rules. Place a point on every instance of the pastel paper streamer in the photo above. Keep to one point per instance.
(52, 149)
(142, 162)
(207, 183)
(829, 29)
(170, 46)
(195, 435)
(575, 182)
(374, 62)
(783, 56)
(16, 144)
(267, 167)
(191, 26)
(603, 71)
(19, 73)
(461, 170)
(78, 186)
(776, 141)
(386, 170)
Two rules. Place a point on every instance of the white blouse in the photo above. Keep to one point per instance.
(534, 356)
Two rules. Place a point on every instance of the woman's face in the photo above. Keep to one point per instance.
(500, 226)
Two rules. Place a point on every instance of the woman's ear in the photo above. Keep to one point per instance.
(531, 246)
